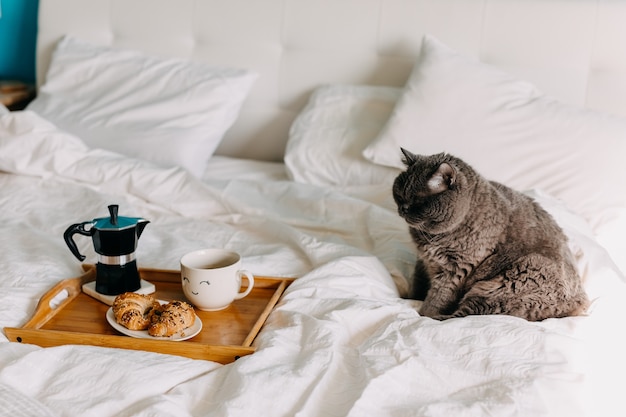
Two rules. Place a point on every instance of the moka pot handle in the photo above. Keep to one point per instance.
(71, 231)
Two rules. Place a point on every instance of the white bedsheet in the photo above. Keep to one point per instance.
(340, 343)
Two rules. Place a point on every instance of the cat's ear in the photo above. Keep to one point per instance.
(442, 178)
(409, 158)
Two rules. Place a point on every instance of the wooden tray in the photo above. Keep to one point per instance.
(78, 319)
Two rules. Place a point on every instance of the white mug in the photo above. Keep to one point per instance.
(211, 278)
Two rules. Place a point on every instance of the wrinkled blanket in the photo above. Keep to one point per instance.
(342, 341)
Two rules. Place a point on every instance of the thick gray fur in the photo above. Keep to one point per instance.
(482, 247)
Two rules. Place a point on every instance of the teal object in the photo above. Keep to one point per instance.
(18, 39)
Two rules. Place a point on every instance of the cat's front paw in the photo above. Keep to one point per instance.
(433, 313)
(441, 317)
(428, 311)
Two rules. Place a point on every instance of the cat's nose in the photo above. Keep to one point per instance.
(403, 208)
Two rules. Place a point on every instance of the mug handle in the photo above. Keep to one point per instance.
(247, 274)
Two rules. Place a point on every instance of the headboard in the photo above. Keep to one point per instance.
(572, 49)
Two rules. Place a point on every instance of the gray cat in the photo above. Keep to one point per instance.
(483, 248)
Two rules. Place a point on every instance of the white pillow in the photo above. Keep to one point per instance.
(509, 131)
(169, 111)
(327, 139)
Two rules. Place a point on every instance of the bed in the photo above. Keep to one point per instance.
(273, 128)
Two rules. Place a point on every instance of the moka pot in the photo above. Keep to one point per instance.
(115, 241)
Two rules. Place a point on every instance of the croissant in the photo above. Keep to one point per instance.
(171, 318)
(133, 310)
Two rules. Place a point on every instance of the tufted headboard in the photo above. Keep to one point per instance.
(572, 49)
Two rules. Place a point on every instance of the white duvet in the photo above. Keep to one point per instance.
(342, 342)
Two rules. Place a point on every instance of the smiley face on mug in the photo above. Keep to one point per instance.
(194, 291)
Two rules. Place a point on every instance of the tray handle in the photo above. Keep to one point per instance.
(58, 297)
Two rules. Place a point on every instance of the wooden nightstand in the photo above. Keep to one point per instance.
(15, 95)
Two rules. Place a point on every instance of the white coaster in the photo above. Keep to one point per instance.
(90, 289)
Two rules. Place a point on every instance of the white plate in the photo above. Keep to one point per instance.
(188, 333)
